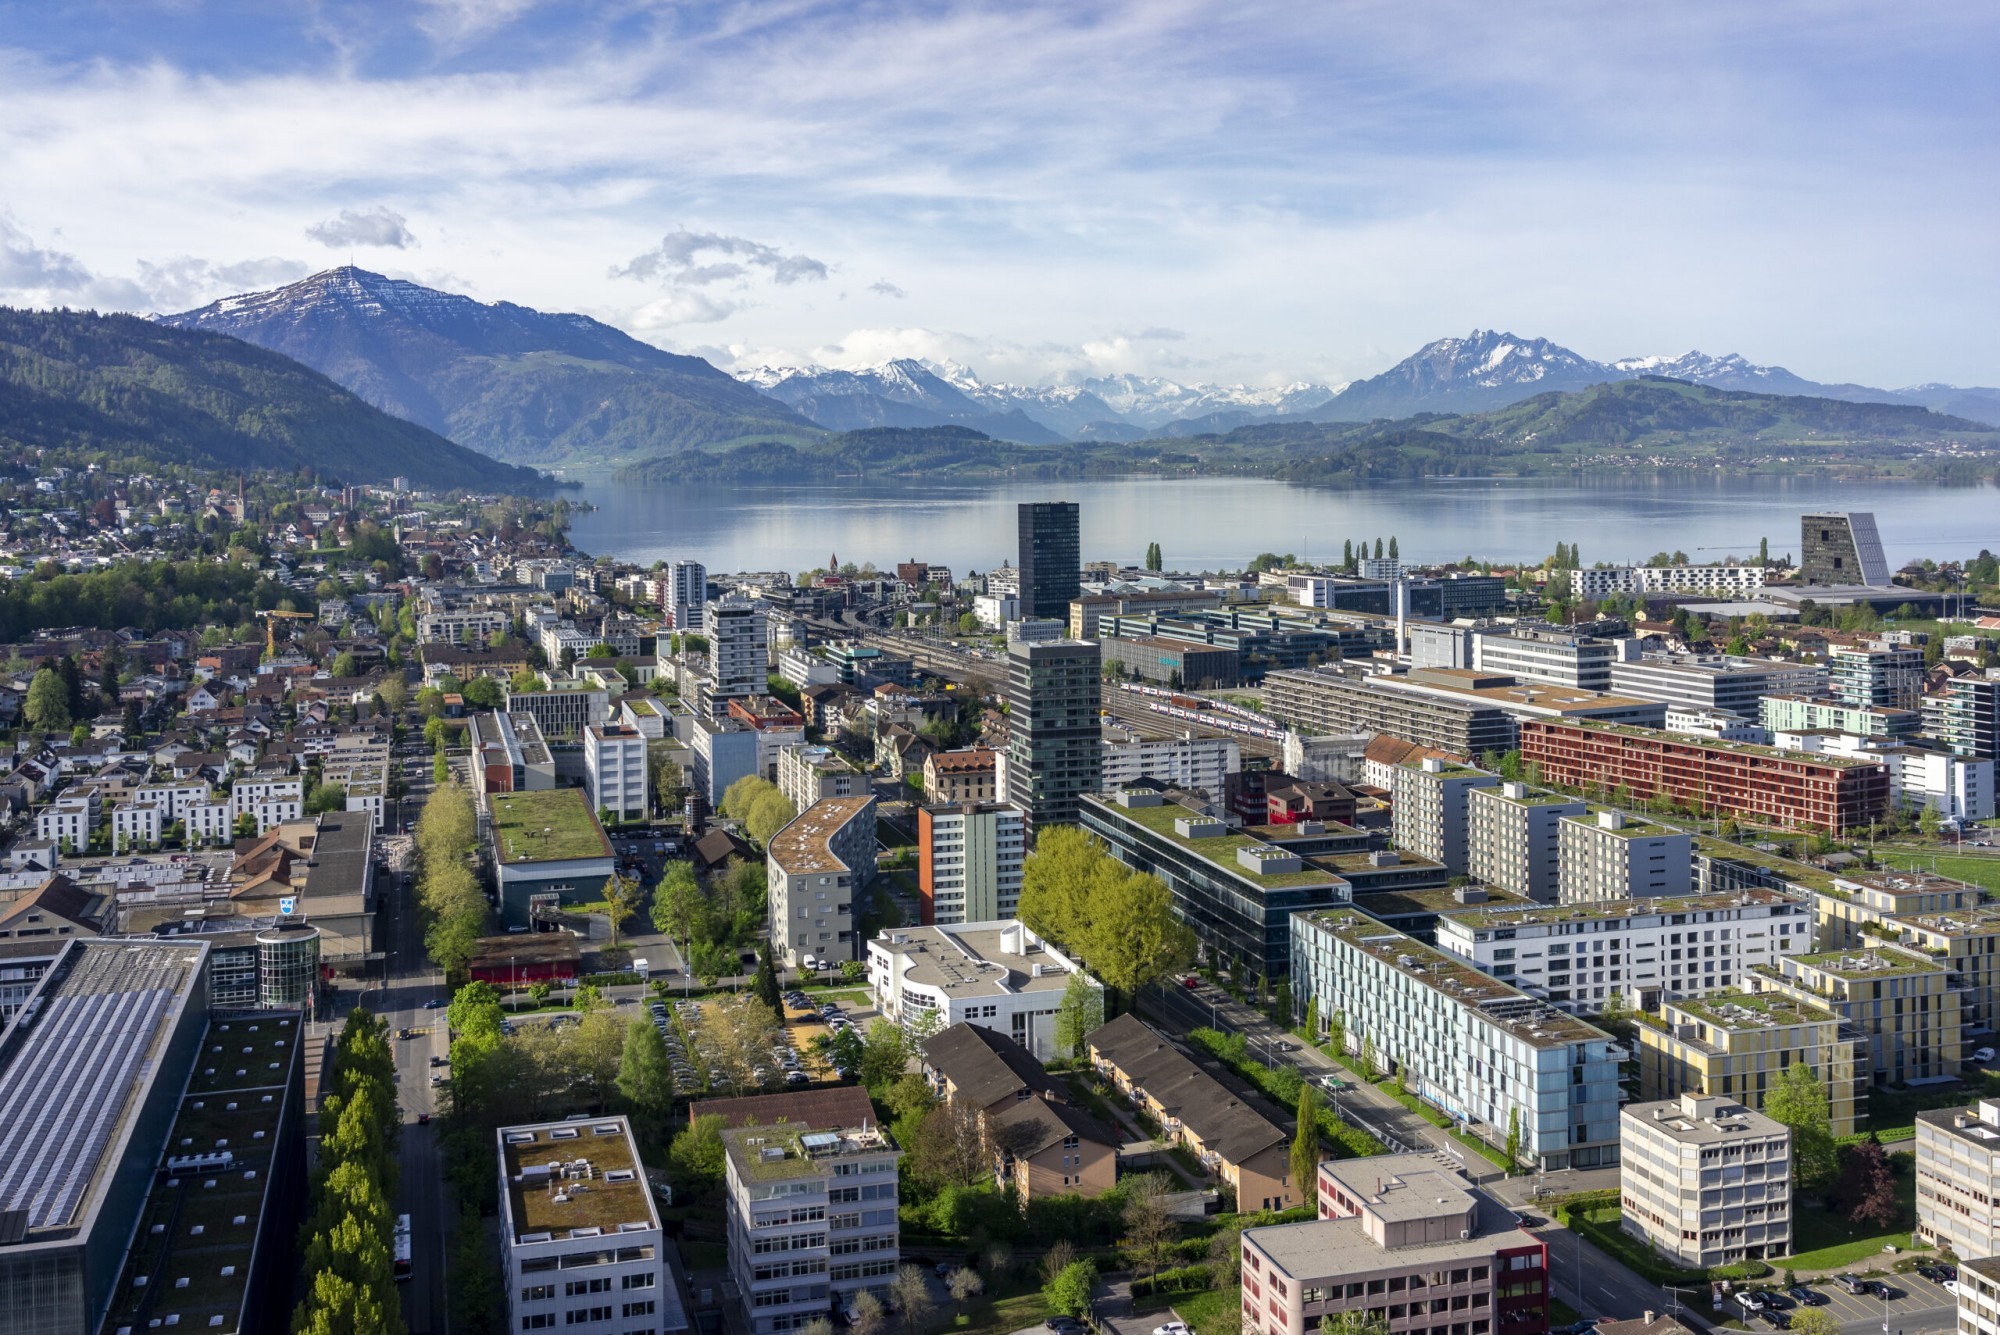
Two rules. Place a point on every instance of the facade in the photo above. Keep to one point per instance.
(1485, 1053)
(1706, 1181)
(1979, 1295)
(1724, 581)
(723, 750)
(809, 774)
(1958, 1179)
(1053, 1149)
(1547, 654)
(1725, 685)
(1735, 1044)
(811, 1218)
(1197, 764)
(565, 709)
(1174, 663)
(1609, 855)
(581, 1245)
(803, 668)
(817, 865)
(1578, 956)
(1085, 609)
(508, 754)
(1906, 1005)
(969, 859)
(1878, 678)
(1799, 713)
(1430, 814)
(738, 652)
(1240, 1145)
(1050, 557)
(1966, 716)
(996, 975)
(954, 777)
(685, 597)
(1326, 700)
(1724, 778)
(1513, 837)
(267, 802)
(1054, 751)
(1405, 1241)
(1841, 548)
(614, 770)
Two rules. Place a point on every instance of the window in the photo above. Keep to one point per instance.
(537, 1292)
(640, 1281)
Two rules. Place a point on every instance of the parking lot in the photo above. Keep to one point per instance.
(1919, 1304)
(699, 1063)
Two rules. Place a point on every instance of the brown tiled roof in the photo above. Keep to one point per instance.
(985, 1067)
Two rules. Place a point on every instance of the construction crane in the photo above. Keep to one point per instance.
(271, 627)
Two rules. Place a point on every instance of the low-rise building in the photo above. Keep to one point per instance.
(809, 774)
(817, 865)
(1609, 855)
(548, 850)
(971, 775)
(1405, 1242)
(1513, 837)
(508, 754)
(1706, 1181)
(969, 862)
(998, 975)
(1735, 1044)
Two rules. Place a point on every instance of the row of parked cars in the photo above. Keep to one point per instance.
(685, 1075)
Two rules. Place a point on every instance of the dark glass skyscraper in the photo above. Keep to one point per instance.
(1050, 558)
(1054, 753)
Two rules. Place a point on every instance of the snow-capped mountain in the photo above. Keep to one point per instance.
(904, 393)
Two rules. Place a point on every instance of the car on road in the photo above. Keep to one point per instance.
(1173, 1328)
(1285, 1045)
(405, 1033)
(1192, 982)
(1530, 1220)
(1807, 1297)
(423, 1119)
(1064, 1325)
(435, 1003)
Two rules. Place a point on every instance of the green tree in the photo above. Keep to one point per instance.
(1799, 1100)
(621, 901)
(1312, 1020)
(1081, 1011)
(766, 984)
(1336, 1033)
(1369, 1068)
(1055, 885)
(343, 665)
(678, 906)
(884, 1053)
(1513, 1136)
(1068, 1293)
(325, 797)
(770, 813)
(1394, 554)
(697, 1154)
(483, 693)
(1305, 1145)
(645, 1076)
(1352, 1323)
(47, 707)
(912, 1293)
(1135, 939)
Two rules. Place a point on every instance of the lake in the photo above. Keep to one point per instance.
(1220, 523)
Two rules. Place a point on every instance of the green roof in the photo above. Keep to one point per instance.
(553, 826)
(1798, 873)
(1219, 850)
(1872, 963)
(1534, 797)
(1512, 914)
(1714, 744)
(1633, 828)
(1765, 1009)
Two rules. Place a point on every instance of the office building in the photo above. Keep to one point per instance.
(1087, 608)
(1958, 1179)
(809, 774)
(1479, 1050)
(1430, 812)
(684, 597)
(564, 709)
(1194, 764)
(581, 1248)
(1723, 581)
(818, 865)
(614, 770)
(1706, 1181)
(548, 850)
(1054, 750)
(1879, 678)
(723, 750)
(1549, 655)
(995, 974)
(1726, 685)
(1978, 1295)
(1907, 1006)
(1965, 716)
(1513, 837)
(1610, 855)
(1050, 558)
(1326, 700)
(1578, 956)
(1403, 1240)
(955, 777)
(1173, 663)
(1719, 778)
(1735, 1044)
(969, 858)
(1841, 548)
(508, 754)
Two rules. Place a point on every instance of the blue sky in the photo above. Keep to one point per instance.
(1238, 191)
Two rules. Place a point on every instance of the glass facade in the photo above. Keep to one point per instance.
(287, 966)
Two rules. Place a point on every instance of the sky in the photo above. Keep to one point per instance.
(1228, 192)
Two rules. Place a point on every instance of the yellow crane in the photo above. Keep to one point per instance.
(271, 619)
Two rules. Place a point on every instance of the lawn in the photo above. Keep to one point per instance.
(1828, 1242)
(1981, 871)
(1000, 1316)
(1212, 1312)
(547, 826)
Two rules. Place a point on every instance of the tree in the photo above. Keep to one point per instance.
(1616, 1008)
(343, 665)
(884, 1054)
(740, 797)
(1336, 1033)
(964, 1282)
(770, 813)
(47, 707)
(678, 905)
(767, 985)
(1866, 1191)
(865, 1315)
(1225, 1257)
(1056, 883)
(1081, 1011)
(1394, 554)
(1135, 939)
(1513, 1136)
(913, 1296)
(697, 1154)
(1813, 1321)
(1352, 1323)
(325, 797)
(393, 692)
(951, 1147)
(1305, 1145)
(1148, 1218)
(1068, 1291)
(1799, 1100)
(1368, 1066)
(621, 901)
(483, 693)
(1312, 1020)
(645, 1076)
(1928, 821)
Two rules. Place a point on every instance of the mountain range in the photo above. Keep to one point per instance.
(135, 390)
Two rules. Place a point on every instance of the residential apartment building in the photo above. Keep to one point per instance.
(1958, 1179)
(1402, 1241)
(614, 770)
(1721, 778)
(817, 865)
(811, 1217)
(1327, 700)
(1723, 581)
(998, 975)
(1732, 686)
(581, 1245)
(563, 710)
(1054, 752)
(1578, 956)
(1798, 713)
(462, 626)
(1905, 1004)
(1884, 678)
(809, 774)
(685, 596)
(1478, 1049)
(738, 652)
(1431, 816)
(267, 802)
(1248, 1152)
(723, 750)
(1706, 1181)
(1965, 716)
(1196, 764)
(1547, 654)
(1050, 557)
(1979, 1296)
(1609, 855)
(971, 775)
(969, 859)
(1735, 1044)
(1512, 837)
(803, 668)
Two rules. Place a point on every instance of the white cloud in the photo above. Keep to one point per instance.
(26, 267)
(379, 226)
(185, 282)
(676, 260)
(883, 287)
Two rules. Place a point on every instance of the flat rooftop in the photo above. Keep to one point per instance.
(974, 960)
(1630, 828)
(1517, 915)
(1327, 1248)
(1874, 963)
(1981, 920)
(798, 1149)
(1788, 869)
(1505, 691)
(556, 825)
(1717, 746)
(1739, 1011)
(1695, 1120)
(1524, 796)
(76, 1062)
(573, 1180)
(1218, 850)
(805, 845)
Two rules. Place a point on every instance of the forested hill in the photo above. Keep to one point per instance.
(140, 391)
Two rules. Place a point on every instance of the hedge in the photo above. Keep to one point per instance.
(1282, 1085)
(1185, 1279)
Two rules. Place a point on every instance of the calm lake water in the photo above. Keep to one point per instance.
(1220, 523)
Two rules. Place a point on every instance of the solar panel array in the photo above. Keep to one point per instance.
(78, 1068)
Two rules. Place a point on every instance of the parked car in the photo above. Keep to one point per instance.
(1749, 1300)
(1982, 1054)
(1806, 1296)
(1775, 1319)
(1772, 1298)
(1852, 1283)
(1886, 1292)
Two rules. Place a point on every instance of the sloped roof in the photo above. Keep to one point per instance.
(984, 1066)
(1032, 1125)
(1223, 1122)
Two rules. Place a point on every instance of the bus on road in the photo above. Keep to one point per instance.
(403, 1272)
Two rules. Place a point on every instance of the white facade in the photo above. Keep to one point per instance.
(685, 595)
(67, 818)
(737, 651)
(614, 770)
(462, 627)
(1705, 1180)
(1613, 856)
(1695, 721)
(1200, 763)
(268, 802)
(1576, 956)
(1513, 836)
(973, 872)
(998, 975)
(1430, 812)
(1723, 581)
(995, 610)
(137, 825)
(809, 774)
(215, 822)
(175, 798)
(1558, 658)
(803, 668)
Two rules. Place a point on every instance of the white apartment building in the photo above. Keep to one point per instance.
(1706, 1181)
(1609, 855)
(995, 610)
(811, 1218)
(1979, 1296)
(1430, 815)
(175, 798)
(562, 637)
(66, 821)
(738, 656)
(581, 1246)
(686, 595)
(816, 866)
(1956, 787)
(998, 975)
(969, 859)
(1958, 1179)
(214, 821)
(1713, 682)
(1577, 956)
(268, 802)
(1724, 581)
(465, 626)
(1198, 763)
(809, 774)
(803, 668)
(138, 825)
(1697, 721)
(1557, 657)
(1513, 837)
(614, 770)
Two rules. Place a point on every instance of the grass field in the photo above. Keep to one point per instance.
(1825, 1241)
(1213, 1312)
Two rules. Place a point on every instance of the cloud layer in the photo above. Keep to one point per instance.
(378, 226)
